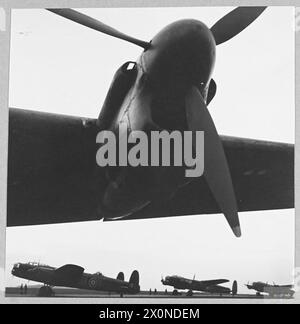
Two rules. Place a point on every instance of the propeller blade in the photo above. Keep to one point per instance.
(235, 22)
(97, 25)
(216, 171)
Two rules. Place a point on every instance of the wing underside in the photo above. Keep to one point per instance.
(51, 169)
(51, 174)
(262, 175)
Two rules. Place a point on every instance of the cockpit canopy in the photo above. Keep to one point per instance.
(30, 264)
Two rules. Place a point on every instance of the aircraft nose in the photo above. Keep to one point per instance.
(15, 268)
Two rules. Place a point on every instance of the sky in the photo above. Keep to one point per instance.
(61, 67)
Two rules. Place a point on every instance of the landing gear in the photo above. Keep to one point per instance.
(121, 295)
(258, 294)
(46, 291)
(175, 292)
(189, 293)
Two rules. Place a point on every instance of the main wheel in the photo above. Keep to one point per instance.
(175, 292)
(189, 293)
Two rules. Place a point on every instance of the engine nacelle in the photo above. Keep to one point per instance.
(123, 80)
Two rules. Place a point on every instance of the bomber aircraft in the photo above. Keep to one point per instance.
(208, 286)
(73, 276)
(52, 172)
(272, 290)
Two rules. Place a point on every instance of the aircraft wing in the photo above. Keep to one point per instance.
(51, 174)
(208, 283)
(51, 163)
(70, 272)
(286, 286)
(262, 175)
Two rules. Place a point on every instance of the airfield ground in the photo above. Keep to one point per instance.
(79, 293)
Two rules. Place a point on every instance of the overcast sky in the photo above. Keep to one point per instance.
(59, 66)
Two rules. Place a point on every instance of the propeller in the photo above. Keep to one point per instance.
(235, 22)
(216, 170)
(223, 30)
(97, 25)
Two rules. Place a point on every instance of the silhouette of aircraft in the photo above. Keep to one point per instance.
(272, 290)
(73, 276)
(208, 286)
(52, 172)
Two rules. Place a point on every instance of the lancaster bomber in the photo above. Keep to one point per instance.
(52, 171)
(73, 276)
(272, 290)
(208, 286)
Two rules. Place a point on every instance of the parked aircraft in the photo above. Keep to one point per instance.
(209, 286)
(272, 290)
(73, 276)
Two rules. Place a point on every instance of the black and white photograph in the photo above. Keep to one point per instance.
(151, 154)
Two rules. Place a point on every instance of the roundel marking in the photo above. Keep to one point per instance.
(92, 282)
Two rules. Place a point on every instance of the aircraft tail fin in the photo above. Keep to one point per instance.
(234, 288)
(121, 276)
(135, 278)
